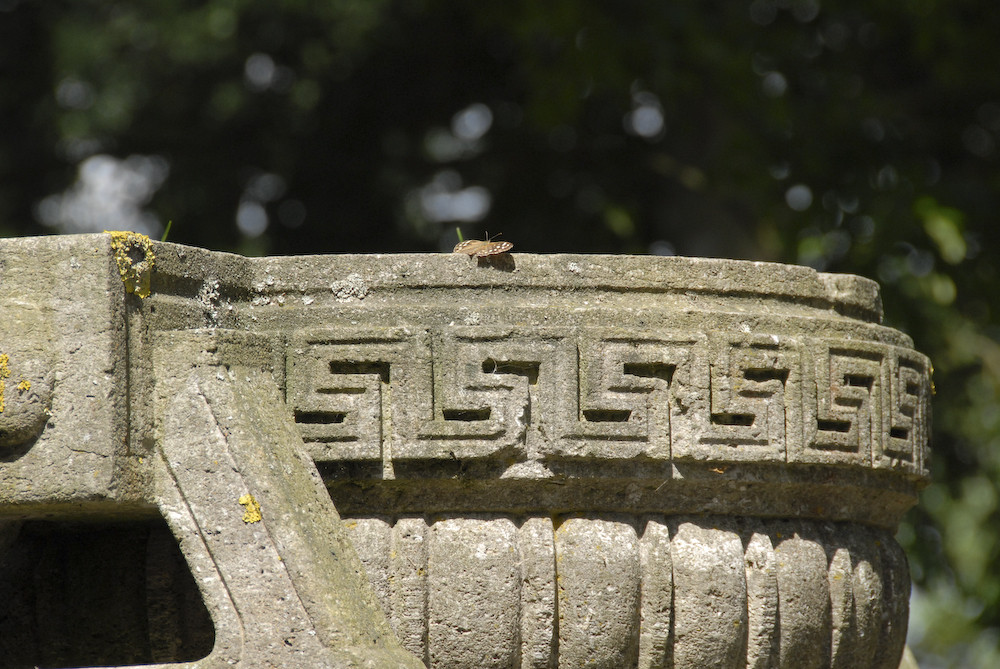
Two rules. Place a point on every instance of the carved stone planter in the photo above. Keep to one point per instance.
(541, 461)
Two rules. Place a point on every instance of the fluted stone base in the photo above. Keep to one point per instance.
(646, 591)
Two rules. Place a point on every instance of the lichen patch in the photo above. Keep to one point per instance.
(4, 373)
(252, 513)
(134, 258)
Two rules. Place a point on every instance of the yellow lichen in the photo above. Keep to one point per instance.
(24, 386)
(4, 373)
(252, 514)
(134, 258)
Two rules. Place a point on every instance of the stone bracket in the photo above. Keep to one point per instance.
(284, 584)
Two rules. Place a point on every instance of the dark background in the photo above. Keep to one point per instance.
(850, 136)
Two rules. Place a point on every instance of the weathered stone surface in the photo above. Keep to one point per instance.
(541, 460)
(644, 591)
(288, 570)
(184, 423)
(64, 335)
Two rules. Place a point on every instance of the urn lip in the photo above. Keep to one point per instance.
(847, 294)
(708, 274)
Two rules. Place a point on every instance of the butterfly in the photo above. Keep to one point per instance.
(480, 248)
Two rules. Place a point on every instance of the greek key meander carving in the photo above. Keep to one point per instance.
(575, 392)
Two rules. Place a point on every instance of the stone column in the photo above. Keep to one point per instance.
(540, 461)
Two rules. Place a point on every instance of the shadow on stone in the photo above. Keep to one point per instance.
(503, 262)
(88, 593)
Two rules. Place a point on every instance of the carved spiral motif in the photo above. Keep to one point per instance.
(26, 377)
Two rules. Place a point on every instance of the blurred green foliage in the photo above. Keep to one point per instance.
(851, 136)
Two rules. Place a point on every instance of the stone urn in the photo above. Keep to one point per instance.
(513, 461)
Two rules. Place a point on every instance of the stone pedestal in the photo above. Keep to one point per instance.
(539, 461)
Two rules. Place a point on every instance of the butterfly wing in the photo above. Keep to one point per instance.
(494, 248)
(481, 248)
(469, 246)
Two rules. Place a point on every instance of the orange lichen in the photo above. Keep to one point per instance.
(252, 514)
(134, 258)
